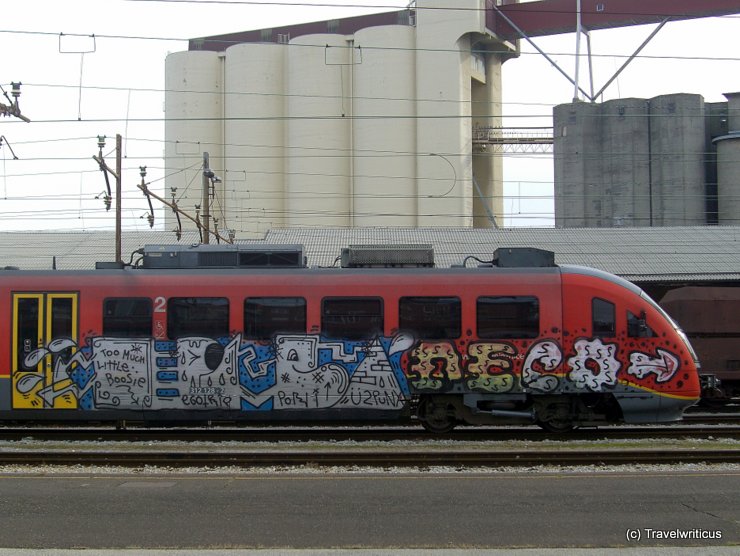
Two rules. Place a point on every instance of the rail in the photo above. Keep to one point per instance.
(366, 434)
(382, 458)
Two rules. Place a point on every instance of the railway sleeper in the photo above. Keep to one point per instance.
(441, 413)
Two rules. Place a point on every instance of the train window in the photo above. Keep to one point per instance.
(127, 317)
(637, 327)
(266, 316)
(508, 317)
(29, 333)
(62, 324)
(351, 318)
(603, 318)
(62, 315)
(430, 318)
(197, 316)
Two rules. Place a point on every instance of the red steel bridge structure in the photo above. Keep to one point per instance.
(553, 17)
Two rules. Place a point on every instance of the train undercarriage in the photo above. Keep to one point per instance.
(554, 413)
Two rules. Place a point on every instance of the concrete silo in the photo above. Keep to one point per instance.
(254, 136)
(318, 131)
(648, 159)
(577, 157)
(728, 165)
(359, 121)
(384, 129)
(194, 113)
(677, 154)
(625, 163)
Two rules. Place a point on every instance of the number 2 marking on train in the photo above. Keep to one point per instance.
(160, 305)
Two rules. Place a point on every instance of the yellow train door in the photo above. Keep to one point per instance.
(45, 336)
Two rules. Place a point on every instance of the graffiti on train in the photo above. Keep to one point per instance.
(309, 372)
(291, 372)
(543, 367)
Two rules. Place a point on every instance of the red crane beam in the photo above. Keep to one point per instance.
(553, 17)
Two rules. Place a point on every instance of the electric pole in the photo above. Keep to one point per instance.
(203, 225)
(118, 198)
(208, 177)
(117, 175)
(173, 205)
(206, 197)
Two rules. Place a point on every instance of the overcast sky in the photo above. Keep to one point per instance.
(111, 81)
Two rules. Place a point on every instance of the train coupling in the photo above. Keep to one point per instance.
(710, 387)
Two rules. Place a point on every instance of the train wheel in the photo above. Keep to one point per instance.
(437, 417)
(555, 413)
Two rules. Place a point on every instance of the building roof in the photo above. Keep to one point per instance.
(668, 255)
(40, 250)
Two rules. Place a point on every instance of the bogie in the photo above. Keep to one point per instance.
(437, 414)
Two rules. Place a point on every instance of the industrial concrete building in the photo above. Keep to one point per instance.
(372, 121)
(728, 164)
(364, 121)
(671, 160)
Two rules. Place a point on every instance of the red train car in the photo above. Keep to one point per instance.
(709, 316)
(245, 334)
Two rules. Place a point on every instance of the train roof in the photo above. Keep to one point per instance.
(302, 273)
(681, 255)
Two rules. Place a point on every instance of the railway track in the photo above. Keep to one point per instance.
(372, 458)
(366, 434)
(398, 446)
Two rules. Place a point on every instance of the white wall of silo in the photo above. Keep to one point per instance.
(296, 144)
(254, 136)
(444, 126)
(384, 128)
(488, 174)
(318, 131)
(193, 125)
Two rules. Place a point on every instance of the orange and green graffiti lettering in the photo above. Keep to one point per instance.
(434, 366)
(490, 367)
